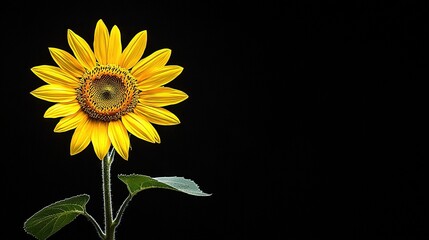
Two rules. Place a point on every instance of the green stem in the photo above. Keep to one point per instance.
(109, 228)
(121, 210)
(94, 222)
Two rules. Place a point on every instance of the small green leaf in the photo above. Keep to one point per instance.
(136, 183)
(52, 218)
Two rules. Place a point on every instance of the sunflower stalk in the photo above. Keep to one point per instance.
(109, 227)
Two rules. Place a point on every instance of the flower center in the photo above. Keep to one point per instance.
(107, 92)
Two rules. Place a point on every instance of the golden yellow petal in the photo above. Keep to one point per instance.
(81, 50)
(100, 139)
(119, 137)
(157, 115)
(134, 51)
(115, 46)
(159, 77)
(140, 127)
(67, 62)
(62, 109)
(55, 75)
(54, 93)
(101, 42)
(163, 96)
(152, 62)
(81, 137)
(70, 122)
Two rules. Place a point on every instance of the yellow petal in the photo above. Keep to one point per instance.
(115, 46)
(67, 62)
(164, 96)
(54, 93)
(152, 62)
(62, 109)
(101, 42)
(157, 115)
(70, 122)
(55, 75)
(140, 127)
(100, 139)
(159, 77)
(134, 51)
(81, 50)
(119, 137)
(81, 136)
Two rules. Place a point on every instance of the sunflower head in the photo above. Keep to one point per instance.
(107, 93)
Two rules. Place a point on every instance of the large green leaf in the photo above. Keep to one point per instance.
(52, 218)
(136, 183)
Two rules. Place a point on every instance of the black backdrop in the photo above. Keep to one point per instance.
(304, 120)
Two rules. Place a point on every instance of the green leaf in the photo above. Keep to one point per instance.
(52, 218)
(136, 183)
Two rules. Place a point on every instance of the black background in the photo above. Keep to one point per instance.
(305, 120)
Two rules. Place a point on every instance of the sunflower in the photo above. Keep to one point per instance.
(109, 93)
